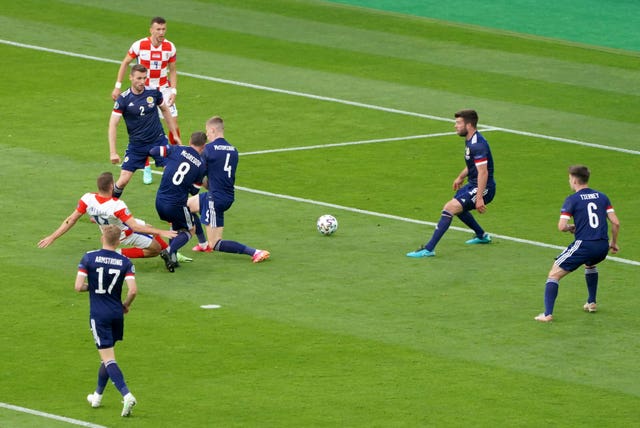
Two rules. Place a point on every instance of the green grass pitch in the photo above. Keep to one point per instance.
(331, 331)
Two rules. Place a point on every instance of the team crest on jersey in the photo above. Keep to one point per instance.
(150, 102)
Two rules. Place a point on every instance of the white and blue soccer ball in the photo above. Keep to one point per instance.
(327, 224)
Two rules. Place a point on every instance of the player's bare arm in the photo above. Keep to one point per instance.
(615, 229)
(81, 283)
(172, 123)
(132, 291)
(564, 226)
(113, 132)
(64, 227)
(121, 73)
(483, 177)
(173, 80)
(143, 228)
(459, 180)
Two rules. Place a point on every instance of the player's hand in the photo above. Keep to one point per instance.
(571, 228)
(480, 206)
(125, 309)
(457, 183)
(115, 158)
(169, 234)
(45, 242)
(614, 248)
(115, 93)
(177, 140)
(171, 100)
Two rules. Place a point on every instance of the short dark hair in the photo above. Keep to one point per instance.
(198, 139)
(468, 116)
(580, 172)
(138, 67)
(157, 20)
(104, 182)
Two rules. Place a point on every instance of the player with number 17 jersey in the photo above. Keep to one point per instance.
(106, 271)
(589, 209)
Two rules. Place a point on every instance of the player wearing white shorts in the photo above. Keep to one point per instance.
(158, 55)
(103, 209)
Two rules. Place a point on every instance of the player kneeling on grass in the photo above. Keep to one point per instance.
(590, 210)
(183, 174)
(222, 161)
(200, 204)
(102, 273)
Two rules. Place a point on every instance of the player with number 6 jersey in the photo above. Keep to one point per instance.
(591, 211)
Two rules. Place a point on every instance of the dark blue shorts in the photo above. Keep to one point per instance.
(178, 216)
(136, 155)
(212, 211)
(106, 332)
(580, 253)
(466, 195)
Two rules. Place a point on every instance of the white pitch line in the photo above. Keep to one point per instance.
(357, 104)
(349, 143)
(411, 220)
(50, 416)
(330, 99)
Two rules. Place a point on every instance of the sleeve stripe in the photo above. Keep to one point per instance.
(481, 161)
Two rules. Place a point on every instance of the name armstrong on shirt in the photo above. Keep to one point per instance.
(108, 261)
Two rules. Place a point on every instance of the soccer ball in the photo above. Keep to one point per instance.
(327, 224)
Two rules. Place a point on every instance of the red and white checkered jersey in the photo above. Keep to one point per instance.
(104, 211)
(156, 59)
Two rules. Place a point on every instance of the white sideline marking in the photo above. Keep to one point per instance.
(369, 106)
(330, 99)
(410, 220)
(50, 416)
(349, 143)
(210, 306)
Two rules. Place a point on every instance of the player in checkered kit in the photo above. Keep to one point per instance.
(158, 55)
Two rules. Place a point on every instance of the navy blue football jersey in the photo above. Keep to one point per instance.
(589, 210)
(183, 174)
(477, 152)
(106, 271)
(222, 162)
(140, 113)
